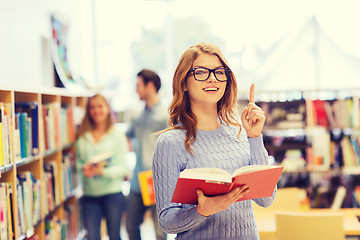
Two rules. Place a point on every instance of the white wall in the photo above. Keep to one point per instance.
(25, 31)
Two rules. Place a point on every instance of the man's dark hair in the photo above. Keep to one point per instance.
(150, 76)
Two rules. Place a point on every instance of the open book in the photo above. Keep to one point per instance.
(102, 158)
(261, 180)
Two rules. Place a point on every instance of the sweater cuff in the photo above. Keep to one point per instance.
(258, 150)
(256, 143)
(193, 214)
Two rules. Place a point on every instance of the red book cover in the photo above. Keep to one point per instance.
(147, 187)
(321, 112)
(58, 140)
(261, 180)
(71, 125)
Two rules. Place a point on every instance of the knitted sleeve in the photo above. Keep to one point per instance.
(167, 162)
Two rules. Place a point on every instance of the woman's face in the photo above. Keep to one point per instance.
(209, 91)
(98, 110)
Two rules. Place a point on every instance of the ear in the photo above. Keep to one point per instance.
(185, 89)
(150, 85)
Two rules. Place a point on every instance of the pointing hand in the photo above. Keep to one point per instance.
(252, 117)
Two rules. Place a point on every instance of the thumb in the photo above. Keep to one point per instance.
(199, 193)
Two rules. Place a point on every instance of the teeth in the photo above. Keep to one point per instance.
(210, 89)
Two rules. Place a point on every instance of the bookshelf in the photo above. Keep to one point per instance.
(39, 190)
(315, 135)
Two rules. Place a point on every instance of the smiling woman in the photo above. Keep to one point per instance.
(205, 131)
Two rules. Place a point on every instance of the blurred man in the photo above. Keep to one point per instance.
(153, 118)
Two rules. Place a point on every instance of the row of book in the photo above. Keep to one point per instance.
(309, 112)
(29, 195)
(59, 229)
(22, 140)
(57, 122)
(338, 113)
(56, 191)
(6, 135)
(28, 201)
(332, 149)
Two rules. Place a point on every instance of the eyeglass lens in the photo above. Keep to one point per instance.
(202, 74)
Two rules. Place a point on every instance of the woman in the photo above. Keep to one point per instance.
(99, 139)
(205, 132)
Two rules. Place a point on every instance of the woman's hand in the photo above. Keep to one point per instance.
(91, 170)
(210, 205)
(252, 117)
(88, 170)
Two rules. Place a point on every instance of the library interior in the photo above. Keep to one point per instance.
(303, 61)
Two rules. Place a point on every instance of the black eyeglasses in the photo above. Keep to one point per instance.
(203, 73)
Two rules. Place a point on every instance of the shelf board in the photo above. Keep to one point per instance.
(26, 160)
(6, 168)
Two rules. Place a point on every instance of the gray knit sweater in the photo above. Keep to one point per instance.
(220, 148)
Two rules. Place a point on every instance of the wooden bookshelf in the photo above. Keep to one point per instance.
(46, 171)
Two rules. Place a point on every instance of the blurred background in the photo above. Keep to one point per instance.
(102, 44)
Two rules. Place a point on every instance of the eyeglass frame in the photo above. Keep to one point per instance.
(227, 71)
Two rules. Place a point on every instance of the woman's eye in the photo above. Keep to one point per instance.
(200, 72)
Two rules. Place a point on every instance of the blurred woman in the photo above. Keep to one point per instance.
(101, 163)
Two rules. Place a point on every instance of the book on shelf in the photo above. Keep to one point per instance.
(320, 113)
(48, 197)
(70, 124)
(3, 212)
(20, 205)
(350, 152)
(2, 159)
(54, 186)
(72, 225)
(6, 134)
(52, 125)
(36, 202)
(32, 121)
(66, 171)
(261, 180)
(27, 182)
(21, 125)
(67, 125)
(9, 209)
(45, 124)
(147, 187)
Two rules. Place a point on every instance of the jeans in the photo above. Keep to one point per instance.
(135, 216)
(110, 207)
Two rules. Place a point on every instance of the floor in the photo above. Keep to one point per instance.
(147, 231)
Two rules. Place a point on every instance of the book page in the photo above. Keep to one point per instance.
(210, 174)
(252, 168)
(101, 157)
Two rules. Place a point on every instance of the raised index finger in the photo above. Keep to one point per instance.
(252, 94)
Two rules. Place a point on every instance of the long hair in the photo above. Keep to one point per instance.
(87, 123)
(180, 110)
